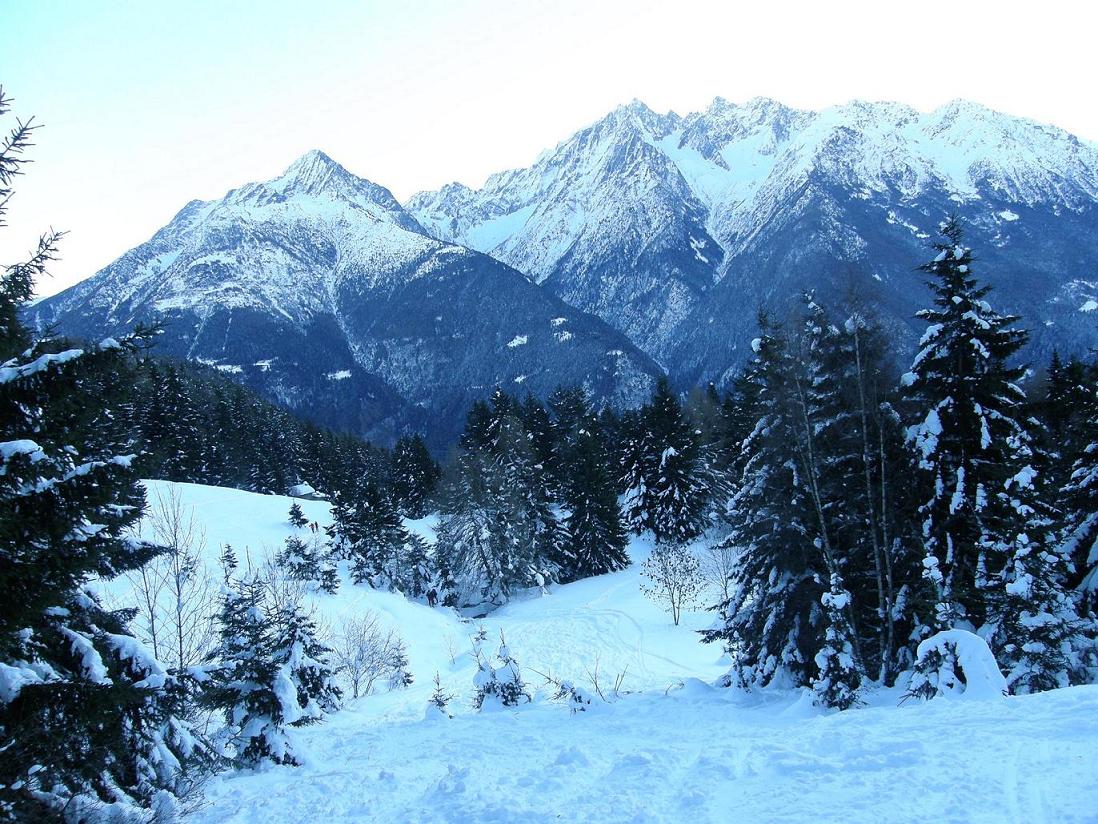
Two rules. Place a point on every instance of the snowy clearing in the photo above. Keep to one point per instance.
(672, 749)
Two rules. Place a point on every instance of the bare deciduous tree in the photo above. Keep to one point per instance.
(672, 578)
(718, 562)
(366, 651)
(175, 594)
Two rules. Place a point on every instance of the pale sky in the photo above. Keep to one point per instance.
(149, 105)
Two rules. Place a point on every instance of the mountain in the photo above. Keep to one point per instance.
(318, 289)
(676, 230)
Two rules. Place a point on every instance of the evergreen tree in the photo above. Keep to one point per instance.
(594, 539)
(305, 662)
(861, 455)
(305, 561)
(840, 677)
(773, 626)
(400, 677)
(1038, 624)
(969, 437)
(498, 530)
(297, 517)
(438, 703)
(369, 532)
(252, 686)
(87, 716)
(1080, 516)
(666, 492)
(499, 684)
(415, 476)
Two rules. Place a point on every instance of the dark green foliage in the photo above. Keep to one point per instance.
(297, 517)
(268, 672)
(773, 625)
(498, 530)
(594, 541)
(665, 478)
(83, 704)
(309, 562)
(413, 476)
(970, 436)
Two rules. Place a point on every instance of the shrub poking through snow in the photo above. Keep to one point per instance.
(499, 684)
(672, 578)
(577, 697)
(438, 703)
(955, 662)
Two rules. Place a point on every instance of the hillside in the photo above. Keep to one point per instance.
(673, 748)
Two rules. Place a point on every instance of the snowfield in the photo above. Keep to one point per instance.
(672, 748)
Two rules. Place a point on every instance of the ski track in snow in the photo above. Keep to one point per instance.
(673, 750)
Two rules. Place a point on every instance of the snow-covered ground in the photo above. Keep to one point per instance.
(672, 749)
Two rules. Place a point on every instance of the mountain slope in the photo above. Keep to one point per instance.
(697, 221)
(318, 289)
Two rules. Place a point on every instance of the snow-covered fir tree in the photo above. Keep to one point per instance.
(306, 560)
(665, 490)
(595, 541)
(297, 516)
(439, 702)
(304, 662)
(773, 626)
(1080, 505)
(1037, 636)
(400, 677)
(243, 675)
(369, 532)
(414, 475)
(968, 435)
(990, 555)
(839, 678)
(498, 530)
(499, 682)
(87, 715)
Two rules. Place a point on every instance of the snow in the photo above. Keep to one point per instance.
(13, 679)
(670, 748)
(9, 449)
(42, 362)
(982, 676)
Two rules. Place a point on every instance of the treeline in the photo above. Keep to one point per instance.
(189, 423)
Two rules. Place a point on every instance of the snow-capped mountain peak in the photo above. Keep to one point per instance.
(318, 272)
(641, 216)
